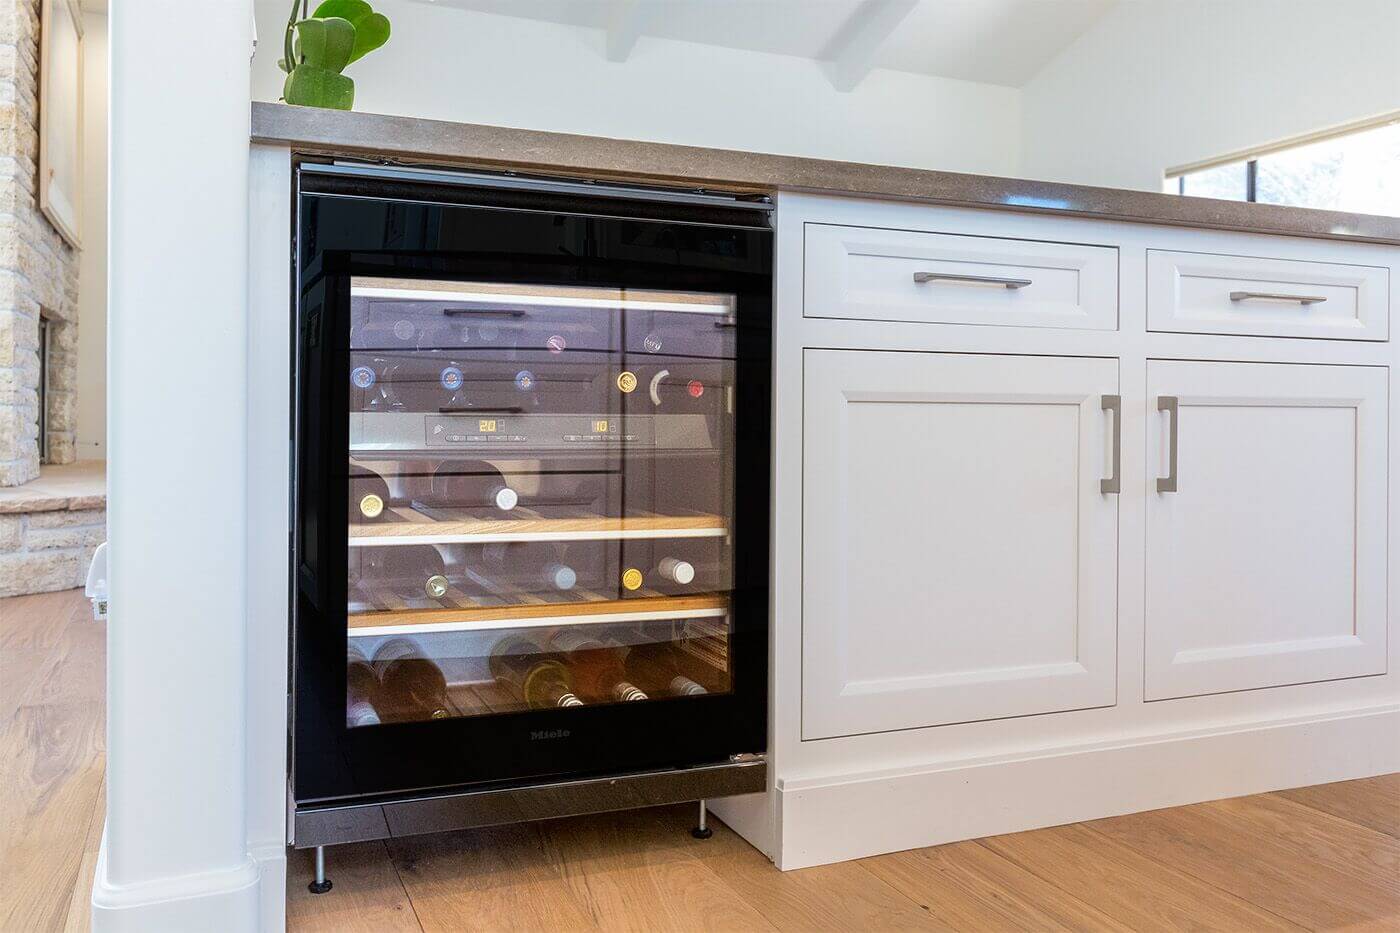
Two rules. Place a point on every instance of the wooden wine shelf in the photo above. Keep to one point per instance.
(472, 615)
(459, 527)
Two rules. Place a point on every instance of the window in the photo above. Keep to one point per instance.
(1356, 171)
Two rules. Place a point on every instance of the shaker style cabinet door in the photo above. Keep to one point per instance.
(1266, 525)
(960, 538)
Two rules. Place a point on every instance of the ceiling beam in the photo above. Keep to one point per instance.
(850, 55)
(624, 28)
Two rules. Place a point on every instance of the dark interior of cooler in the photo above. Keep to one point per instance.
(541, 494)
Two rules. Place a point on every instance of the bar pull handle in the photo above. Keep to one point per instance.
(1277, 296)
(1114, 483)
(922, 277)
(1172, 406)
(484, 312)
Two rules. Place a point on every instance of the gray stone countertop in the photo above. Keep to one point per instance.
(435, 142)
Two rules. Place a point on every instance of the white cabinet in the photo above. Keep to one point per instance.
(959, 549)
(1266, 538)
(859, 273)
(1208, 293)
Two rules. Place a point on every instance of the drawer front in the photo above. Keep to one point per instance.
(861, 273)
(1206, 293)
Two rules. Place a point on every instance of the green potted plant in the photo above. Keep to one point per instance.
(317, 48)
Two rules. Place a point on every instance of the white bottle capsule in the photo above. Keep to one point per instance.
(676, 570)
(504, 498)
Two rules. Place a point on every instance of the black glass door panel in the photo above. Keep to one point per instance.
(532, 495)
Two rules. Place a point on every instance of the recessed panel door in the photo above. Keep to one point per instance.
(960, 538)
(1266, 525)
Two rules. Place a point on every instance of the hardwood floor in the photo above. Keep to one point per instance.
(52, 757)
(1316, 858)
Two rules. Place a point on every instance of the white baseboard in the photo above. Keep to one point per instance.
(832, 819)
(272, 886)
(225, 900)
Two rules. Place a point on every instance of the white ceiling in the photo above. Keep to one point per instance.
(992, 41)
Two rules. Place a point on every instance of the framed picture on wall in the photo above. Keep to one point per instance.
(61, 116)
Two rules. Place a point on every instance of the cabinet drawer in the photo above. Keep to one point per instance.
(861, 273)
(1206, 293)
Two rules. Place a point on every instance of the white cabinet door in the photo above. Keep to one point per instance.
(959, 555)
(1266, 544)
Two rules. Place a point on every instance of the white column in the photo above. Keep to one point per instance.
(175, 853)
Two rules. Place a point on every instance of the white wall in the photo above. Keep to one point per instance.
(478, 68)
(92, 263)
(1160, 84)
(175, 852)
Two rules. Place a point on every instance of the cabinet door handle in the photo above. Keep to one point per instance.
(1172, 406)
(1114, 483)
(1277, 296)
(922, 277)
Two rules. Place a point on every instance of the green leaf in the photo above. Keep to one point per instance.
(310, 86)
(326, 43)
(371, 28)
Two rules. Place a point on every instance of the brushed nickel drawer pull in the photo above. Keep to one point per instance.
(922, 277)
(1114, 483)
(1277, 296)
(1172, 406)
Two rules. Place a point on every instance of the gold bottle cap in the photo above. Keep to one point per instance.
(626, 381)
(632, 578)
(436, 587)
(371, 506)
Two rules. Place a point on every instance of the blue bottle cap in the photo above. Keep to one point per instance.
(362, 377)
(524, 380)
(451, 378)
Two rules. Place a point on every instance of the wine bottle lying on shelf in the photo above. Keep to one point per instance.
(458, 484)
(531, 674)
(361, 689)
(597, 668)
(377, 386)
(675, 570)
(381, 331)
(410, 685)
(658, 669)
(369, 496)
(414, 570)
(529, 565)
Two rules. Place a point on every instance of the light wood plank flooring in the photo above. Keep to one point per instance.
(53, 684)
(1316, 858)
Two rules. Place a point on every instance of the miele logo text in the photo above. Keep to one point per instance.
(549, 734)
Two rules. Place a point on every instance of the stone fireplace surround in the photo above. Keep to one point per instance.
(38, 269)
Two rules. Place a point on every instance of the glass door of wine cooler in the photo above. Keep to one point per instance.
(532, 486)
(541, 496)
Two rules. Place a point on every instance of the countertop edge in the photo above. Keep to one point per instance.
(438, 142)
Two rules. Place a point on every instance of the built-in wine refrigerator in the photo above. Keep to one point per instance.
(530, 550)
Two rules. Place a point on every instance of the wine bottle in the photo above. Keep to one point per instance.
(597, 668)
(537, 677)
(676, 570)
(454, 385)
(533, 564)
(383, 393)
(412, 569)
(655, 668)
(369, 496)
(384, 332)
(361, 689)
(458, 484)
(411, 686)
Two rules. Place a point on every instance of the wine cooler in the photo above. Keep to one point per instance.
(530, 555)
